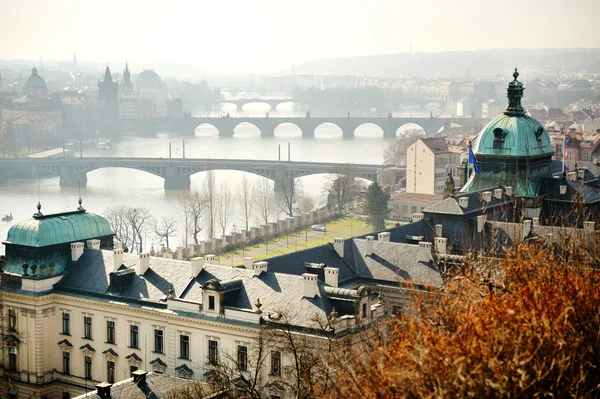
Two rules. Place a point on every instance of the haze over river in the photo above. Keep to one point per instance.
(116, 186)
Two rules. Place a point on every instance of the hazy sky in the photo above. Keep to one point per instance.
(270, 35)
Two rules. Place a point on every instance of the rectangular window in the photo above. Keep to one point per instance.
(158, 341)
(110, 332)
(276, 363)
(88, 368)
(184, 346)
(66, 323)
(364, 310)
(213, 352)
(87, 327)
(66, 395)
(12, 320)
(242, 358)
(12, 359)
(110, 372)
(66, 363)
(211, 302)
(133, 336)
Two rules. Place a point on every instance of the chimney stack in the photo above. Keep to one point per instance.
(463, 202)
(196, 266)
(93, 244)
(338, 245)
(498, 193)
(439, 230)
(425, 252)
(139, 377)
(417, 216)
(331, 276)
(118, 245)
(440, 245)
(563, 189)
(76, 251)
(369, 250)
(103, 390)
(509, 191)
(144, 263)
(486, 196)
(481, 219)
(526, 227)
(384, 237)
(309, 285)
(589, 226)
(208, 259)
(248, 261)
(117, 258)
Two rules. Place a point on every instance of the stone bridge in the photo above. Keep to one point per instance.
(175, 172)
(240, 102)
(226, 125)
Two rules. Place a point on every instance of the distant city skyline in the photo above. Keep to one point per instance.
(269, 36)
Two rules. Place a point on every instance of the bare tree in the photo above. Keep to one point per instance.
(306, 204)
(287, 191)
(117, 217)
(395, 152)
(209, 194)
(245, 197)
(193, 207)
(164, 228)
(265, 201)
(224, 207)
(343, 185)
(138, 219)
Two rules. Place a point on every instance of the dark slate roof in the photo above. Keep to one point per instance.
(157, 387)
(450, 206)
(575, 189)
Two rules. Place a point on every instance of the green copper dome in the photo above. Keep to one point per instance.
(61, 228)
(35, 81)
(513, 134)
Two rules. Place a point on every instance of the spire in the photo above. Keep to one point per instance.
(74, 59)
(39, 211)
(80, 208)
(107, 75)
(515, 93)
(34, 71)
(126, 74)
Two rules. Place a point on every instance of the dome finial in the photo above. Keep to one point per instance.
(39, 210)
(516, 74)
(515, 93)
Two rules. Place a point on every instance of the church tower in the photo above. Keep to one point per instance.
(108, 105)
(126, 85)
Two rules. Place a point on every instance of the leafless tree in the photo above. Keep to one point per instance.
(164, 228)
(265, 201)
(224, 207)
(138, 219)
(245, 198)
(209, 194)
(343, 185)
(395, 152)
(193, 207)
(117, 217)
(306, 204)
(287, 191)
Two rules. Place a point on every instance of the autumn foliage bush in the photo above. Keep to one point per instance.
(532, 329)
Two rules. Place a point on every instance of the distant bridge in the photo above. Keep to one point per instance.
(175, 172)
(240, 102)
(267, 125)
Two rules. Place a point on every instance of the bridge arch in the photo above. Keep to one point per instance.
(226, 105)
(408, 127)
(206, 130)
(246, 130)
(122, 177)
(228, 175)
(288, 130)
(368, 129)
(258, 105)
(328, 130)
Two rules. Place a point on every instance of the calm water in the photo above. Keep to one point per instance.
(116, 186)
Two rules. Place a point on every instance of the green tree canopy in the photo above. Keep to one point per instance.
(376, 206)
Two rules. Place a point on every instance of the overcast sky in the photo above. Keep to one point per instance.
(270, 35)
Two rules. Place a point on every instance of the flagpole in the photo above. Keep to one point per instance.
(564, 149)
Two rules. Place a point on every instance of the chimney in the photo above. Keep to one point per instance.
(139, 377)
(310, 285)
(117, 258)
(440, 245)
(416, 217)
(248, 261)
(259, 267)
(439, 229)
(385, 236)
(144, 263)
(208, 259)
(572, 176)
(563, 189)
(196, 266)
(338, 245)
(526, 227)
(118, 245)
(580, 174)
(331, 276)
(498, 193)
(76, 251)
(535, 221)
(509, 191)
(486, 196)
(481, 219)
(463, 202)
(589, 226)
(93, 244)
(425, 252)
(369, 250)
(103, 390)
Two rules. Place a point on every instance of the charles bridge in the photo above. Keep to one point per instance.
(267, 125)
(176, 172)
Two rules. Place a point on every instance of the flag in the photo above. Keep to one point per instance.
(564, 149)
(473, 161)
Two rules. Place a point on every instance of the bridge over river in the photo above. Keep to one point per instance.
(267, 125)
(176, 172)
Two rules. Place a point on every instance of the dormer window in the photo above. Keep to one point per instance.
(538, 133)
(499, 136)
(211, 302)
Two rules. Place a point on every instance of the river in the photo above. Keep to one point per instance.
(115, 186)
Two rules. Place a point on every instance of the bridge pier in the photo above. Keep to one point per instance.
(72, 180)
(177, 183)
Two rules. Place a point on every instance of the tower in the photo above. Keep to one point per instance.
(126, 85)
(108, 105)
(74, 59)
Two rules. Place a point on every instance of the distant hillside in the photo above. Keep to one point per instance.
(486, 63)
